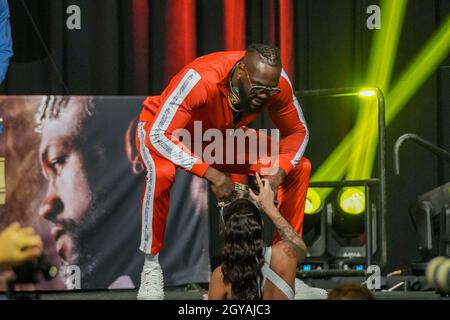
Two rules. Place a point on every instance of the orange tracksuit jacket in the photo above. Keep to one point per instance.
(199, 93)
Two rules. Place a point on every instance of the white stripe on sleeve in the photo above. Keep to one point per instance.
(157, 137)
(302, 148)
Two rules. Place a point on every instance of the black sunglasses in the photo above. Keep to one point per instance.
(257, 90)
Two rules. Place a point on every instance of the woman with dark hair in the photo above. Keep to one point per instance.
(250, 271)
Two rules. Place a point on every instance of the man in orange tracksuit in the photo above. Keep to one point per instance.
(223, 90)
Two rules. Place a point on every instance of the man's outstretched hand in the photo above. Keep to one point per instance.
(221, 184)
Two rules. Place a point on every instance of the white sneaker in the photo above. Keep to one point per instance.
(305, 292)
(152, 282)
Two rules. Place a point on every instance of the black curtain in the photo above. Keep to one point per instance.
(94, 60)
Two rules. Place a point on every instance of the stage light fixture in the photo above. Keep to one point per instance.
(352, 201)
(313, 202)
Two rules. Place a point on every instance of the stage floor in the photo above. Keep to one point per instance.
(188, 293)
(181, 294)
(177, 293)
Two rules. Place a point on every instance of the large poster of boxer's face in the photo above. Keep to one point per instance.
(69, 161)
(72, 172)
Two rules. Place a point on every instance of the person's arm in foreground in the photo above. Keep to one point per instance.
(266, 200)
(217, 289)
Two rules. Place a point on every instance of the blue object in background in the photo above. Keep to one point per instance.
(6, 51)
(307, 267)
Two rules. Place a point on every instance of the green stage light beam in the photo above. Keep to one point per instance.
(367, 93)
(426, 62)
(419, 70)
(336, 164)
(379, 75)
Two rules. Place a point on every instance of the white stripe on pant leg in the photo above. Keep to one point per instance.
(147, 204)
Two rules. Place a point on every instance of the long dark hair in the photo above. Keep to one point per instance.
(242, 255)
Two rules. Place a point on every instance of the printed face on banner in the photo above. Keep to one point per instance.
(61, 163)
(74, 175)
(68, 202)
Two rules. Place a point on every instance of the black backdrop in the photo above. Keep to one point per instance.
(331, 47)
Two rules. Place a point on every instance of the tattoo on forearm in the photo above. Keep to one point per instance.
(288, 234)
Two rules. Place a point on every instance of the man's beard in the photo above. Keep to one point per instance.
(244, 101)
(87, 252)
